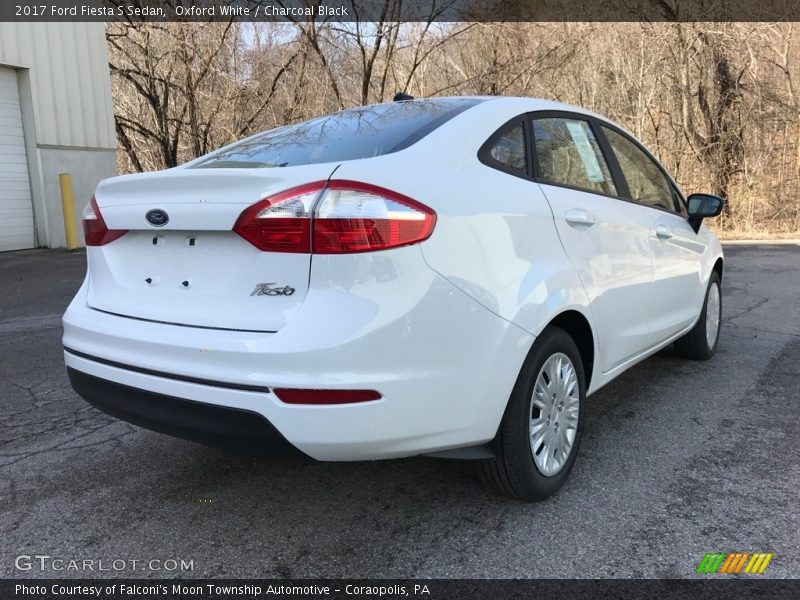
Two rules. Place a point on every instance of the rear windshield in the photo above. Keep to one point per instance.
(355, 133)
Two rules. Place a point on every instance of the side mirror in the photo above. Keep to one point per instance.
(702, 206)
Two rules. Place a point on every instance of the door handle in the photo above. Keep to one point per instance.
(663, 232)
(577, 217)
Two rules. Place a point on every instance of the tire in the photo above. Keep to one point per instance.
(696, 344)
(516, 471)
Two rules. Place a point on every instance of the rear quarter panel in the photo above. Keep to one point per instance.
(495, 238)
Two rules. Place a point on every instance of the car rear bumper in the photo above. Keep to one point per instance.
(196, 421)
(443, 364)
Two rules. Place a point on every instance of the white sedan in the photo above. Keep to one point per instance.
(448, 276)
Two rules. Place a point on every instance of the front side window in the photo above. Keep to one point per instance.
(567, 153)
(680, 203)
(646, 182)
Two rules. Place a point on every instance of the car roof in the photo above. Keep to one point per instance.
(532, 103)
(522, 103)
(516, 105)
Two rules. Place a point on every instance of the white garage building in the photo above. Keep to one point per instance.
(55, 116)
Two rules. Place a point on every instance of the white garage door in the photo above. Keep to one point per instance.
(16, 211)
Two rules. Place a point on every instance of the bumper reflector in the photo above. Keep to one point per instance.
(298, 396)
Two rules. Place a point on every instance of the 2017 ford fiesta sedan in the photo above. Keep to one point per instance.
(449, 276)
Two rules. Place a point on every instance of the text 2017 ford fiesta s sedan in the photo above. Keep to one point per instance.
(449, 276)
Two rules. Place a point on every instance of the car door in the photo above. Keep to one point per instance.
(677, 287)
(606, 239)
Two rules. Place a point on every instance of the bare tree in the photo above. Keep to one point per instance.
(718, 103)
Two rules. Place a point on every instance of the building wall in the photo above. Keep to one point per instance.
(68, 119)
(87, 167)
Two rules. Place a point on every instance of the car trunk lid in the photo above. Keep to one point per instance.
(193, 269)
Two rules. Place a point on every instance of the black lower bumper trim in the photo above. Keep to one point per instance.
(221, 384)
(188, 419)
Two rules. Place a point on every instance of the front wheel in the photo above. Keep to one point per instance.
(702, 341)
(539, 435)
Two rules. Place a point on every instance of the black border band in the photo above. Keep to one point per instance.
(209, 382)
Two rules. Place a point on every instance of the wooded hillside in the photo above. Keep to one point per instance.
(718, 103)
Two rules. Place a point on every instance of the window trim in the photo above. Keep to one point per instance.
(620, 182)
(485, 156)
(596, 124)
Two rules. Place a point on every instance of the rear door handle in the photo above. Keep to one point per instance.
(663, 232)
(579, 218)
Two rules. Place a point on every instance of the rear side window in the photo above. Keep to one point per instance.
(647, 183)
(356, 133)
(506, 149)
(567, 153)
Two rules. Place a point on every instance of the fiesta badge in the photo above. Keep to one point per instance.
(157, 217)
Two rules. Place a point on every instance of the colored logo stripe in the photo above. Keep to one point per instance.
(758, 564)
(719, 562)
(711, 562)
(734, 562)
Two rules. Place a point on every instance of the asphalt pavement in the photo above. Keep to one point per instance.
(679, 459)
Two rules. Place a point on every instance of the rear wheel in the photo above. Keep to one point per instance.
(701, 342)
(539, 435)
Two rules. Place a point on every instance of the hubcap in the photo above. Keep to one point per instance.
(712, 315)
(554, 414)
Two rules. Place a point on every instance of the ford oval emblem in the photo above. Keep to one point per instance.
(157, 217)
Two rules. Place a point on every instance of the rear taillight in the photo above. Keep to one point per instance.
(301, 396)
(281, 223)
(95, 232)
(349, 217)
(358, 217)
